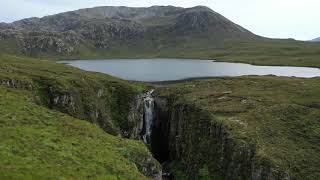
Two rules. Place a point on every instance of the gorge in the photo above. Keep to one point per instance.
(223, 127)
(177, 111)
(188, 135)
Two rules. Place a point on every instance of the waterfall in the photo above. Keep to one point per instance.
(148, 116)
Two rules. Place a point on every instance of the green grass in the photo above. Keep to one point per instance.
(40, 143)
(49, 81)
(271, 52)
(279, 116)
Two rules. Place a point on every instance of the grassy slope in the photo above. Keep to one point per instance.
(279, 115)
(49, 80)
(255, 51)
(271, 52)
(40, 143)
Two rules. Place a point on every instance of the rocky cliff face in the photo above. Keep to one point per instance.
(191, 136)
(135, 118)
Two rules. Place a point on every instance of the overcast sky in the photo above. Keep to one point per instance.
(271, 18)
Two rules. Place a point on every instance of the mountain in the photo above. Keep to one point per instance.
(105, 30)
(316, 39)
(152, 32)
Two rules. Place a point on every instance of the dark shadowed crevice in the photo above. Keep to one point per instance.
(159, 143)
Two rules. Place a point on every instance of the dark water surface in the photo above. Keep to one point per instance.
(177, 69)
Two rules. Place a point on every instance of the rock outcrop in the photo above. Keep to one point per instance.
(135, 118)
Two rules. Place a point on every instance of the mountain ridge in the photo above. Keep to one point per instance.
(112, 28)
(173, 32)
(115, 10)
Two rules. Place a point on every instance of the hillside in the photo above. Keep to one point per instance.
(57, 121)
(316, 39)
(158, 31)
(96, 97)
(40, 143)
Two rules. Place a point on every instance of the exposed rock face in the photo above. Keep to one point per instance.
(42, 42)
(135, 118)
(127, 12)
(116, 27)
(13, 83)
(191, 137)
(149, 167)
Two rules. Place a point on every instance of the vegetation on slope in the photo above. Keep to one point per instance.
(40, 143)
(277, 116)
(95, 97)
(270, 52)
